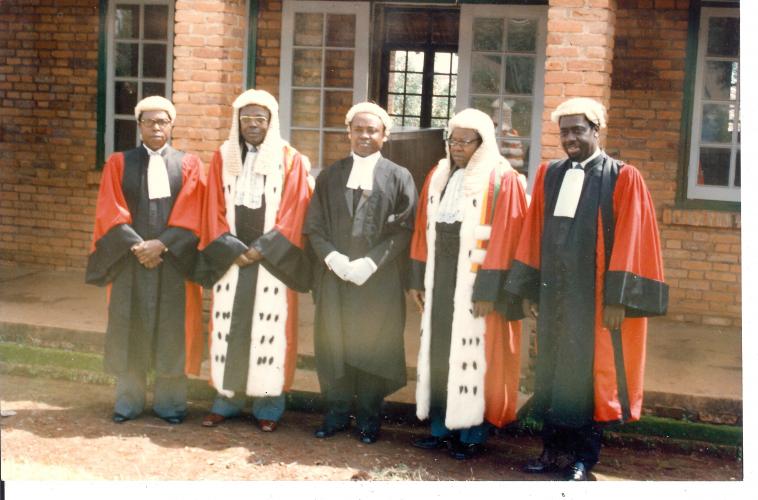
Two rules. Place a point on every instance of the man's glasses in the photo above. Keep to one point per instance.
(253, 120)
(453, 142)
(162, 123)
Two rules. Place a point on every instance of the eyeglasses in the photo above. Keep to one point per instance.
(250, 120)
(162, 123)
(452, 142)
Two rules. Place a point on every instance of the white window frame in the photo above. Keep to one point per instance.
(694, 190)
(361, 10)
(465, 43)
(110, 115)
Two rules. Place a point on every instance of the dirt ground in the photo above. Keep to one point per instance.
(62, 430)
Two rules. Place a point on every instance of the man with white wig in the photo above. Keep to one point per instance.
(252, 258)
(467, 227)
(359, 224)
(589, 268)
(147, 226)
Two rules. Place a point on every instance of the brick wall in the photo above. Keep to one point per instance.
(48, 96)
(701, 248)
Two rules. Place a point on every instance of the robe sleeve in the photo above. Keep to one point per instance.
(316, 225)
(635, 273)
(492, 275)
(283, 246)
(398, 232)
(419, 249)
(218, 247)
(182, 233)
(524, 277)
(113, 235)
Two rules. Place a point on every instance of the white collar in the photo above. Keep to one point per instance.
(150, 151)
(251, 148)
(362, 172)
(591, 157)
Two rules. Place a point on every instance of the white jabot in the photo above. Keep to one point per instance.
(450, 209)
(157, 175)
(362, 173)
(571, 188)
(250, 184)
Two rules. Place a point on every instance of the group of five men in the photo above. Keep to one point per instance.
(583, 258)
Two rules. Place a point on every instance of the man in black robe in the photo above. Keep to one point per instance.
(359, 224)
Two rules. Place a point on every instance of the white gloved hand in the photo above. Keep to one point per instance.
(361, 270)
(338, 263)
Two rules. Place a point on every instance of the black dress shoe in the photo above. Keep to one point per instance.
(578, 471)
(368, 437)
(543, 465)
(326, 431)
(466, 451)
(119, 418)
(173, 420)
(431, 443)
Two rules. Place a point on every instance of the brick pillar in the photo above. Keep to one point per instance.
(209, 53)
(579, 56)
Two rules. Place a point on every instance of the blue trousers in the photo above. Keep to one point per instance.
(169, 395)
(264, 408)
(470, 435)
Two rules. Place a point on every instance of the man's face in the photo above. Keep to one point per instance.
(155, 128)
(366, 134)
(578, 137)
(254, 122)
(463, 143)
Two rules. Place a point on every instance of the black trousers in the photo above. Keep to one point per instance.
(368, 391)
(573, 444)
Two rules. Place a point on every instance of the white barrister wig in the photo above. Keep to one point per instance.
(593, 110)
(270, 151)
(155, 103)
(374, 109)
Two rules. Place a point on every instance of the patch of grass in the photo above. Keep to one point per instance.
(45, 356)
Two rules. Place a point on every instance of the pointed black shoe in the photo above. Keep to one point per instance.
(431, 443)
(173, 420)
(119, 418)
(326, 431)
(543, 465)
(578, 471)
(466, 451)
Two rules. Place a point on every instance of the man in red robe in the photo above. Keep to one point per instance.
(466, 232)
(590, 270)
(252, 257)
(147, 228)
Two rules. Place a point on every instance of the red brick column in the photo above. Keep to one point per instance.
(579, 55)
(209, 41)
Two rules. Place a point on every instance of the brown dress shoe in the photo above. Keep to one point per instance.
(213, 419)
(267, 425)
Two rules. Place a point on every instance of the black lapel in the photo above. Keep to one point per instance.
(173, 158)
(135, 162)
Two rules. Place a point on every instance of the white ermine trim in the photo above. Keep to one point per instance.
(478, 255)
(483, 232)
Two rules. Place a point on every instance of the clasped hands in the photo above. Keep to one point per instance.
(251, 256)
(149, 253)
(356, 271)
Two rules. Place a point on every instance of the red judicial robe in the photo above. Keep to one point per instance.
(253, 324)
(609, 253)
(154, 315)
(484, 360)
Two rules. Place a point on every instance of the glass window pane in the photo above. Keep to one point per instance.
(714, 167)
(397, 60)
(723, 36)
(396, 82)
(416, 61)
(412, 122)
(439, 107)
(127, 55)
(522, 35)
(454, 85)
(156, 22)
(413, 83)
(339, 68)
(309, 29)
(441, 85)
(127, 21)
(125, 98)
(516, 152)
(716, 126)
(486, 104)
(442, 62)
(454, 69)
(485, 74)
(439, 122)
(124, 134)
(738, 172)
(488, 34)
(519, 75)
(336, 147)
(306, 68)
(306, 106)
(395, 104)
(413, 105)
(336, 105)
(154, 60)
(452, 105)
(340, 30)
(720, 80)
(153, 88)
(306, 141)
(521, 116)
